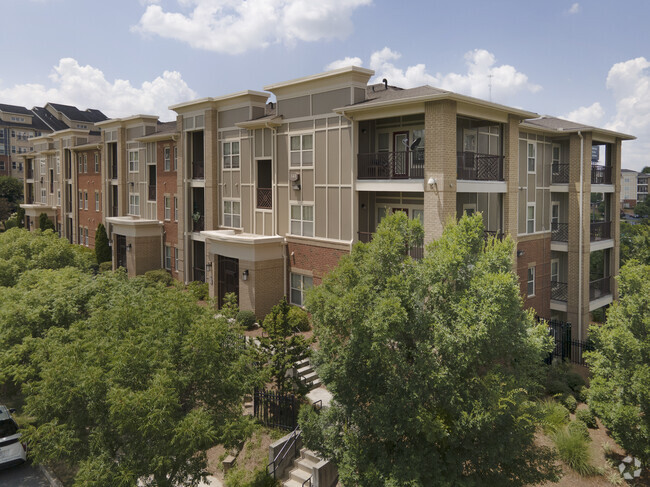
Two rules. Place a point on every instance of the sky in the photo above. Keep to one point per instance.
(587, 61)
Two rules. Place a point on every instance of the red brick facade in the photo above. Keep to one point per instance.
(89, 184)
(166, 187)
(314, 258)
(537, 254)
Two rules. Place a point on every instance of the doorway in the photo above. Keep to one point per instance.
(228, 277)
(120, 242)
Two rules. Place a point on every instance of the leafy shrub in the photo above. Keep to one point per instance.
(200, 290)
(299, 319)
(573, 449)
(574, 381)
(159, 275)
(582, 394)
(44, 222)
(241, 478)
(102, 249)
(588, 417)
(569, 402)
(580, 428)
(230, 306)
(105, 266)
(557, 386)
(246, 318)
(554, 415)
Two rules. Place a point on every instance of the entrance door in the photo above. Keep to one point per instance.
(228, 277)
(120, 241)
(400, 151)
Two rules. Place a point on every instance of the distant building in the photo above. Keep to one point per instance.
(628, 188)
(642, 187)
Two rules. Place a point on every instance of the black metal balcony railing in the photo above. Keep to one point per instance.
(559, 173)
(151, 196)
(391, 165)
(114, 170)
(601, 174)
(559, 232)
(264, 198)
(473, 166)
(559, 291)
(416, 251)
(198, 223)
(600, 231)
(198, 170)
(114, 211)
(600, 287)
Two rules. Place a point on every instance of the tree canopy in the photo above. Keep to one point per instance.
(429, 362)
(620, 365)
(635, 243)
(11, 195)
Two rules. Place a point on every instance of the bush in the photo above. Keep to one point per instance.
(159, 275)
(102, 249)
(588, 417)
(230, 306)
(246, 319)
(582, 394)
(44, 222)
(579, 428)
(241, 478)
(554, 415)
(105, 267)
(573, 449)
(569, 402)
(299, 319)
(574, 381)
(200, 290)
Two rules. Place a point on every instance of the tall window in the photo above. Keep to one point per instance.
(175, 158)
(97, 163)
(81, 200)
(81, 163)
(85, 200)
(134, 161)
(43, 195)
(134, 204)
(175, 208)
(532, 155)
(555, 270)
(531, 282)
(176, 259)
(300, 284)
(530, 219)
(230, 155)
(96, 200)
(231, 214)
(85, 163)
(168, 209)
(555, 159)
(302, 220)
(167, 159)
(58, 165)
(301, 150)
(58, 197)
(168, 257)
(86, 236)
(555, 215)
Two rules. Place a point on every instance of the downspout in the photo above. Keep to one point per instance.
(284, 266)
(580, 205)
(162, 247)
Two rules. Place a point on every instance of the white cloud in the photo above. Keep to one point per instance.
(591, 115)
(574, 9)
(236, 26)
(87, 87)
(343, 63)
(482, 71)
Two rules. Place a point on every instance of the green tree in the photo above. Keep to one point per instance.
(282, 347)
(643, 209)
(430, 363)
(646, 170)
(635, 243)
(102, 249)
(11, 191)
(44, 222)
(139, 389)
(619, 390)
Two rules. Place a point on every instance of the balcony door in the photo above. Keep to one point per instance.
(228, 277)
(400, 149)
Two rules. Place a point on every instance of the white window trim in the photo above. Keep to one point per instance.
(132, 205)
(96, 200)
(175, 208)
(231, 154)
(554, 204)
(97, 163)
(534, 146)
(134, 165)
(176, 258)
(531, 205)
(554, 161)
(301, 151)
(167, 159)
(555, 261)
(302, 287)
(232, 213)
(168, 250)
(167, 206)
(302, 221)
(85, 200)
(528, 281)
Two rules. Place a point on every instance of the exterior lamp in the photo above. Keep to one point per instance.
(244, 275)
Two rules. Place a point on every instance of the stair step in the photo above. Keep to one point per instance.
(302, 362)
(299, 475)
(304, 464)
(311, 376)
(305, 370)
(310, 455)
(291, 483)
(315, 383)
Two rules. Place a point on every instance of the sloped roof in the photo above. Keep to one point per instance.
(378, 93)
(49, 120)
(73, 113)
(15, 109)
(556, 124)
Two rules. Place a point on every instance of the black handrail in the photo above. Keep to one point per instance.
(291, 442)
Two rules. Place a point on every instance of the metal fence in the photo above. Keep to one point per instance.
(276, 410)
(566, 348)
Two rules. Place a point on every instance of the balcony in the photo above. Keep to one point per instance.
(560, 173)
(198, 170)
(30, 172)
(391, 165)
(151, 194)
(198, 222)
(559, 291)
(416, 252)
(264, 198)
(601, 174)
(600, 287)
(559, 232)
(600, 231)
(473, 166)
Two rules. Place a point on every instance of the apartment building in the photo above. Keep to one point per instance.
(17, 126)
(642, 187)
(262, 198)
(628, 188)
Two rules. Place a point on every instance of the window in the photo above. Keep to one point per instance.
(13, 165)
(58, 165)
(555, 270)
(43, 195)
(85, 164)
(97, 163)
(175, 158)
(134, 204)
(531, 282)
(175, 208)
(81, 200)
(58, 197)
(80, 238)
(302, 220)
(166, 158)
(532, 151)
(96, 200)
(2, 165)
(231, 214)
(530, 219)
(230, 155)
(555, 215)
(301, 150)
(85, 200)
(134, 161)
(299, 284)
(80, 162)
(86, 236)
(168, 257)
(555, 159)
(176, 259)
(168, 210)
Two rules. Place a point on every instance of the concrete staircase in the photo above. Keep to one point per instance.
(301, 470)
(307, 374)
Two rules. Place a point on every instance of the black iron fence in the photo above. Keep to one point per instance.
(566, 348)
(275, 409)
(600, 230)
(601, 174)
(474, 166)
(264, 198)
(391, 165)
(600, 287)
(560, 173)
(559, 291)
(559, 232)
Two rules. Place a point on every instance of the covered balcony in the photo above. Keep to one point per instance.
(408, 164)
(479, 148)
(601, 174)
(198, 210)
(474, 166)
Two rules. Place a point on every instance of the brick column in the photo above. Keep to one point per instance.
(440, 164)
(511, 174)
(122, 171)
(615, 201)
(211, 162)
(181, 191)
(576, 314)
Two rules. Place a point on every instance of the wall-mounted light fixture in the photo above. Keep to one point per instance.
(244, 275)
(431, 182)
(520, 253)
(128, 246)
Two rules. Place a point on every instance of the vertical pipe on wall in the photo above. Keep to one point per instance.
(580, 208)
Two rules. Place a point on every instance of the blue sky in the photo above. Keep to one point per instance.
(586, 60)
